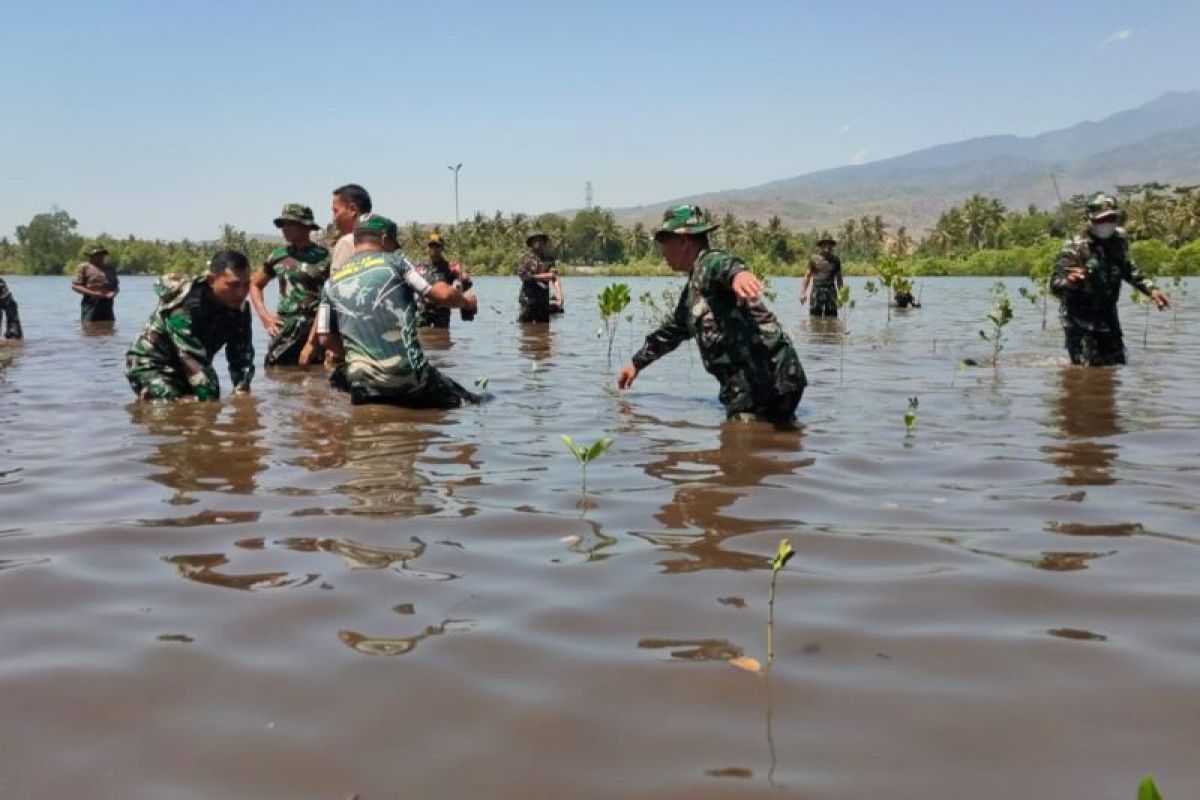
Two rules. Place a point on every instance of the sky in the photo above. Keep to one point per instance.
(168, 119)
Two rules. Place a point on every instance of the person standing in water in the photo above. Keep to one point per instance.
(97, 281)
(823, 280)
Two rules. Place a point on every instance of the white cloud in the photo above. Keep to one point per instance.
(1115, 37)
(859, 156)
(842, 131)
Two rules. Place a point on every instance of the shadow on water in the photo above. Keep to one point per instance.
(709, 482)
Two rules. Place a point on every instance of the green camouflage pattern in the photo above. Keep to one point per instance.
(301, 272)
(172, 357)
(742, 345)
(826, 270)
(534, 300)
(378, 224)
(297, 212)
(1100, 204)
(8, 313)
(430, 315)
(1091, 325)
(685, 219)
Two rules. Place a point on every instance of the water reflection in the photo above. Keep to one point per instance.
(203, 568)
(536, 343)
(104, 328)
(711, 481)
(1086, 411)
(216, 447)
(396, 645)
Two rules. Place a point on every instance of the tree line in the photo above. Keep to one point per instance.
(978, 236)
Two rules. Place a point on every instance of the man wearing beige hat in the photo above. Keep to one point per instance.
(97, 281)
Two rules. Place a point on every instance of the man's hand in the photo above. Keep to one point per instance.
(108, 295)
(1161, 301)
(470, 303)
(272, 323)
(746, 286)
(1076, 277)
(626, 376)
(306, 354)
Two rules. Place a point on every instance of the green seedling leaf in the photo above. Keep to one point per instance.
(782, 555)
(481, 381)
(1147, 790)
(579, 451)
(910, 416)
(598, 448)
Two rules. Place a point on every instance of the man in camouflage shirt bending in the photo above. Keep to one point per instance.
(741, 343)
(1087, 280)
(537, 273)
(368, 316)
(195, 318)
(301, 267)
(8, 313)
(825, 275)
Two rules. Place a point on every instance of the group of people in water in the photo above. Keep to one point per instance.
(356, 308)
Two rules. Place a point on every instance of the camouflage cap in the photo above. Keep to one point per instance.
(376, 224)
(295, 212)
(536, 235)
(435, 239)
(95, 250)
(1100, 206)
(686, 221)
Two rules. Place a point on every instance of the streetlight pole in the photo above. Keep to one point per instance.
(455, 168)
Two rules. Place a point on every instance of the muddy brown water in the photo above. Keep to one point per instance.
(281, 596)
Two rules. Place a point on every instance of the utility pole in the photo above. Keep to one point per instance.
(587, 196)
(455, 168)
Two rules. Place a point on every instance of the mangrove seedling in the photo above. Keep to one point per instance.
(783, 554)
(613, 300)
(1039, 276)
(1000, 315)
(586, 455)
(910, 416)
(1145, 302)
(845, 304)
(1147, 790)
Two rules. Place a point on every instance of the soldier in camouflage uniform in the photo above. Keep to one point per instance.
(825, 275)
(1087, 280)
(8, 313)
(195, 317)
(97, 281)
(741, 343)
(368, 315)
(536, 271)
(436, 269)
(301, 267)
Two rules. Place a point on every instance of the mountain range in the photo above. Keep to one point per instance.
(1158, 141)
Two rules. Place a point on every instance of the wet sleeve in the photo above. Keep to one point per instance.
(668, 336)
(1133, 275)
(239, 352)
(721, 272)
(193, 355)
(1067, 258)
(526, 269)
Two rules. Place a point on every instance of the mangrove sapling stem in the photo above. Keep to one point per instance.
(782, 555)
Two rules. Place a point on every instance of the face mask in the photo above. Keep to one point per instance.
(1103, 230)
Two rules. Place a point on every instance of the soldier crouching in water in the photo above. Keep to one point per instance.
(301, 268)
(1087, 280)
(195, 318)
(825, 275)
(741, 343)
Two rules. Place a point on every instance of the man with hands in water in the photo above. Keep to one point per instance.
(1087, 280)
(741, 342)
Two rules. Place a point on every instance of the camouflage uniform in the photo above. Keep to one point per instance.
(1089, 313)
(173, 355)
(301, 273)
(742, 346)
(371, 304)
(8, 313)
(101, 279)
(535, 295)
(826, 271)
(430, 315)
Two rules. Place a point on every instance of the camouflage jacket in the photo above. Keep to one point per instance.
(8, 313)
(371, 304)
(301, 273)
(825, 269)
(741, 345)
(534, 294)
(428, 314)
(186, 331)
(1093, 306)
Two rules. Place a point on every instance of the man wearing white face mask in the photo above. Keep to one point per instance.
(1087, 280)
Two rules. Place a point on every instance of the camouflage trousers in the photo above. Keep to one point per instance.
(823, 302)
(96, 309)
(1092, 348)
(285, 347)
(434, 390)
(766, 385)
(152, 380)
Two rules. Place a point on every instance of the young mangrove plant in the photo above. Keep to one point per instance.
(1000, 315)
(1039, 276)
(586, 455)
(845, 305)
(1145, 302)
(613, 301)
(910, 416)
(783, 554)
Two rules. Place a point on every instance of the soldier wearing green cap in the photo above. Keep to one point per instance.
(368, 317)
(437, 269)
(823, 280)
(97, 281)
(195, 318)
(1087, 281)
(741, 342)
(537, 273)
(8, 313)
(301, 267)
